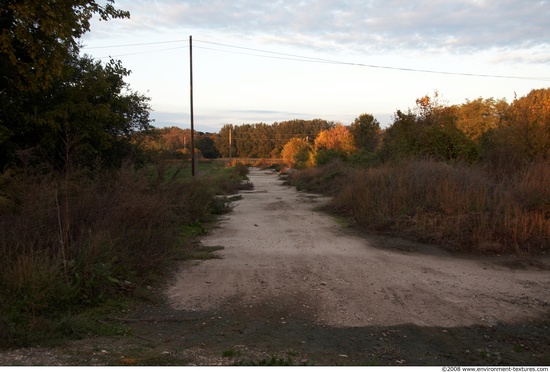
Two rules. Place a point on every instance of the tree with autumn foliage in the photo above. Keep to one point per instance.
(474, 118)
(336, 142)
(429, 130)
(297, 153)
(523, 135)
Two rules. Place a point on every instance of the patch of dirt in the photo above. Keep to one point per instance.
(295, 286)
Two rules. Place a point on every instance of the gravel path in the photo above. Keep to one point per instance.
(278, 247)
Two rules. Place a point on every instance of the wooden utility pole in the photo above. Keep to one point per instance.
(192, 116)
(230, 144)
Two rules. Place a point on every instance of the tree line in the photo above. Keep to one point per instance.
(501, 134)
(66, 110)
(83, 220)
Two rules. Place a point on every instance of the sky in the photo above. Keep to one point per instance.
(270, 61)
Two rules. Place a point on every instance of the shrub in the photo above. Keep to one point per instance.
(72, 241)
(457, 206)
(325, 156)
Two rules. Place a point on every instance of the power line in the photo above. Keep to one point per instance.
(321, 60)
(138, 53)
(301, 58)
(133, 45)
(269, 52)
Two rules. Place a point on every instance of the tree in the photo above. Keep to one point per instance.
(336, 142)
(205, 144)
(479, 116)
(221, 141)
(429, 131)
(38, 42)
(401, 139)
(38, 36)
(91, 110)
(338, 138)
(296, 153)
(366, 132)
(262, 140)
(528, 124)
(523, 136)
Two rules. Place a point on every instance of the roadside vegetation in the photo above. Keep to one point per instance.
(96, 204)
(474, 178)
(74, 243)
(456, 206)
(92, 217)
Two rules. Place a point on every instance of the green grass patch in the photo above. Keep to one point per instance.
(230, 353)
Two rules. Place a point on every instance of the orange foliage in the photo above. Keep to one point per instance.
(338, 138)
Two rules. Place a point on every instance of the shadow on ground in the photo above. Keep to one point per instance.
(274, 334)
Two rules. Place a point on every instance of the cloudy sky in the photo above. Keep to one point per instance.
(266, 61)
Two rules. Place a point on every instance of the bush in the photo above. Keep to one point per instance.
(325, 156)
(365, 159)
(327, 179)
(457, 206)
(71, 242)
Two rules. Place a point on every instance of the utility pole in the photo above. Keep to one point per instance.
(230, 145)
(192, 116)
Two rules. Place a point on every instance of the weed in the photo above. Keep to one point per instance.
(73, 242)
(230, 353)
(461, 207)
(272, 361)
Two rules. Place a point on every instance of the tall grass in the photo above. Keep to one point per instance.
(68, 242)
(457, 206)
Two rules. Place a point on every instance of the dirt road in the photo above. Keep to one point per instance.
(279, 249)
(294, 285)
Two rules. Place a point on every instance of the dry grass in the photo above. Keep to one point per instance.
(67, 243)
(457, 206)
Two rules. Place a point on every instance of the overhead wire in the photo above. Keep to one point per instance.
(322, 60)
(137, 44)
(299, 58)
(138, 53)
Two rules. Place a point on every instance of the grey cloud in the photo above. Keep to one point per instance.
(461, 26)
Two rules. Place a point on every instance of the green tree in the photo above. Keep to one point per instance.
(429, 131)
(366, 132)
(221, 141)
(38, 39)
(205, 144)
(401, 139)
(89, 114)
(38, 36)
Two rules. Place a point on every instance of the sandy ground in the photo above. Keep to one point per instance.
(278, 248)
